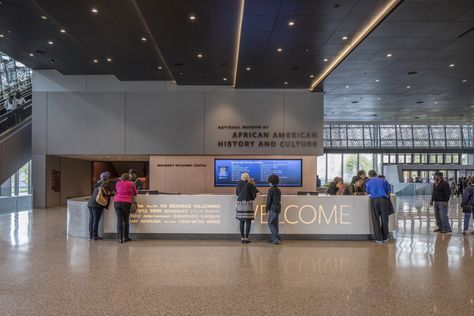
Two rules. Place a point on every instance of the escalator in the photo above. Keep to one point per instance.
(15, 136)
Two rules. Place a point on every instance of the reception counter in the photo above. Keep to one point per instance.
(213, 216)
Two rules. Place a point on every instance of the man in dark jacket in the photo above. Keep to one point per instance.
(273, 206)
(440, 199)
(467, 204)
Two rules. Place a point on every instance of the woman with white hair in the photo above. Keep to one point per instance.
(100, 198)
(246, 193)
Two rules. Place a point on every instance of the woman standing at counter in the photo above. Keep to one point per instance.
(97, 202)
(246, 193)
(126, 191)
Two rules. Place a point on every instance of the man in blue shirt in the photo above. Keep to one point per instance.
(379, 192)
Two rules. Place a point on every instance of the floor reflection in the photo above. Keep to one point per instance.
(416, 273)
(20, 228)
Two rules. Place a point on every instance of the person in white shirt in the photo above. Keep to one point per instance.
(19, 99)
(10, 104)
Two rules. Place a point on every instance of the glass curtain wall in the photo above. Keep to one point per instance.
(13, 76)
(19, 183)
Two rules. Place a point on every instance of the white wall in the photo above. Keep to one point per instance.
(101, 115)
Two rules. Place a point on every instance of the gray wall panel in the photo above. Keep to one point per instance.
(39, 122)
(165, 123)
(304, 113)
(86, 123)
(237, 109)
(52, 80)
(38, 177)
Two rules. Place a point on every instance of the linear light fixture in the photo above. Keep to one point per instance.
(392, 4)
(237, 48)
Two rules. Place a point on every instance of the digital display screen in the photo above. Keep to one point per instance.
(227, 171)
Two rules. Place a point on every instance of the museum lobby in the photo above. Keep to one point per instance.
(184, 98)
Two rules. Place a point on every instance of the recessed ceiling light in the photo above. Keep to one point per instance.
(311, 76)
(2, 36)
(279, 49)
(248, 68)
(347, 87)
(464, 80)
(43, 17)
(344, 38)
(286, 82)
(51, 43)
(377, 80)
(325, 60)
(62, 31)
(472, 106)
(109, 59)
(192, 17)
(95, 61)
(159, 67)
(94, 10)
(436, 102)
(451, 65)
(31, 54)
(225, 79)
(200, 55)
(291, 23)
(389, 55)
(143, 39)
(408, 87)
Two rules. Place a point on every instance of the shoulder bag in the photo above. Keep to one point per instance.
(101, 198)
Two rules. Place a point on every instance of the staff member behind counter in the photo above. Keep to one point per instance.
(134, 178)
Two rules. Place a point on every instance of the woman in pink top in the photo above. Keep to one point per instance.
(123, 200)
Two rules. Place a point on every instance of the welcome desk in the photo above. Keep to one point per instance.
(213, 217)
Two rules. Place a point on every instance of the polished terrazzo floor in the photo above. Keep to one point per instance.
(42, 272)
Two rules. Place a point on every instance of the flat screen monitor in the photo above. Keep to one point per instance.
(227, 171)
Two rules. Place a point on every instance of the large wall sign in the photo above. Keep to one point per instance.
(180, 122)
(263, 123)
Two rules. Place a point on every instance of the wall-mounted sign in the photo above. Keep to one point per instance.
(264, 123)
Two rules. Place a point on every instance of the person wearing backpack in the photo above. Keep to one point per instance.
(100, 198)
(467, 204)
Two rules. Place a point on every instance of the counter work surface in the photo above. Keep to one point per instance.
(210, 216)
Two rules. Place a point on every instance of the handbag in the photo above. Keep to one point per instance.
(391, 209)
(101, 198)
(466, 208)
(134, 206)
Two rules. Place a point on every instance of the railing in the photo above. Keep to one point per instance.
(9, 119)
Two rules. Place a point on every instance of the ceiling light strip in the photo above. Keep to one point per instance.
(356, 41)
(237, 48)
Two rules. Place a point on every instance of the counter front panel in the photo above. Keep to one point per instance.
(215, 215)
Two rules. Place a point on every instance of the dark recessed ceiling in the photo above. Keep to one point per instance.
(423, 37)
